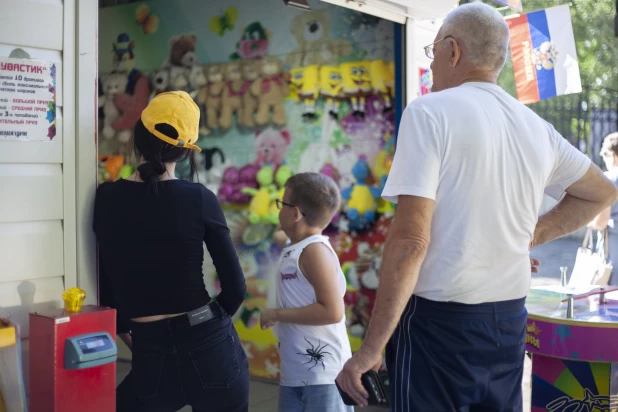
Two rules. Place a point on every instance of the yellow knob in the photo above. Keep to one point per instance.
(73, 299)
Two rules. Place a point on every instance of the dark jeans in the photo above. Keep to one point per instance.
(447, 357)
(175, 364)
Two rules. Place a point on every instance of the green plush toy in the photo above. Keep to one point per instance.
(281, 177)
(259, 208)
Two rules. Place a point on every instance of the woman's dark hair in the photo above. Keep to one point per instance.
(156, 152)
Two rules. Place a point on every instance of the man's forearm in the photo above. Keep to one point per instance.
(398, 279)
(315, 314)
(569, 215)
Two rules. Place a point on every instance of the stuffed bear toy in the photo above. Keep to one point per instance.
(197, 81)
(160, 83)
(112, 84)
(271, 146)
(249, 101)
(182, 52)
(271, 90)
(178, 78)
(214, 90)
(311, 30)
(231, 100)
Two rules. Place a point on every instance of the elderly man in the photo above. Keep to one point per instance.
(469, 174)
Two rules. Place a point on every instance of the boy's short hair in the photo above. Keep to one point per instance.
(610, 144)
(316, 195)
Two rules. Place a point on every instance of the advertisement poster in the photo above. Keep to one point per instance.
(282, 91)
(27, 99)
(425, 81)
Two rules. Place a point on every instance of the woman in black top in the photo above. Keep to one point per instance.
(151, 228)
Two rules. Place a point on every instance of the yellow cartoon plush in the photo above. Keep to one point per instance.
(249, 102)
(331, 89)
(259, 208)
(271, 90)
(231, 100)
(356, 84)
(391, 79)
(312, 31)
(306, 82)
(381, 76)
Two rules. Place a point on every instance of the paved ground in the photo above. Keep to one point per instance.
(263, 397)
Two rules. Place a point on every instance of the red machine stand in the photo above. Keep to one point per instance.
(73, 360)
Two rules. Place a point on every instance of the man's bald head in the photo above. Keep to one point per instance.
(482, 33)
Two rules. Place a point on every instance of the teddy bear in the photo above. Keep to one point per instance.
(214, 90)
(231, 100)
(271, 89)
(182, 51)
(271, 146)
(197, 80)
(178, 78)
(311, 30)
(112, 83)
(249, 101)
(160, 83)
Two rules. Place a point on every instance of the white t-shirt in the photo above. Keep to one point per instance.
(486, 160)
(310, 355)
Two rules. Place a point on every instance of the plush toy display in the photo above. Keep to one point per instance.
(178, 78)
(259, 208)
(331, 89)
(356, 84)
(247, 177)
(253, 43)
(211, 168)
(391, 78)
(112, 168)
(306, 81)
(214, 74)
(197, 81)
(281, 177)
(160, 83)
(361, 204)
(228, 184)
(112, 84)
(271, 90)
(381, 78)
(329, 170)
(249, 101)
(311, 29)
(182, 51)
(235, 88)
(271, 146)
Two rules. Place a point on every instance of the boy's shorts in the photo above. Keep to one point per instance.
(314, 398)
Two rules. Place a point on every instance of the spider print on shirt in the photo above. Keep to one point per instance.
(315, 354)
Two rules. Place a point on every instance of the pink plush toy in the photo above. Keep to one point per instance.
(246, 178)
(271, 146)
(228, 183)
(329, 170)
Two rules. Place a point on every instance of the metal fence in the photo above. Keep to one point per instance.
(584, 118)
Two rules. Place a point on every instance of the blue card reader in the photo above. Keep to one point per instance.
(90, 350)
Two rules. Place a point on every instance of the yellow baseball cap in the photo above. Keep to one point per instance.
(179, 111)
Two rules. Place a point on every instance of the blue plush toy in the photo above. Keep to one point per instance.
(360, 199)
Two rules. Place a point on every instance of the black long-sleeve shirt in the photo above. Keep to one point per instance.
(151, 249)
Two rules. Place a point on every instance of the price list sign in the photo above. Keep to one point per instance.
(27, 99)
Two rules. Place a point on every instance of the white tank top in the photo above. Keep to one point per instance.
(310, 355)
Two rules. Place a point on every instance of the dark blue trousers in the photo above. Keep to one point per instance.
(452, 357)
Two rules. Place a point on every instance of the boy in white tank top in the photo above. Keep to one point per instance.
(310, 319)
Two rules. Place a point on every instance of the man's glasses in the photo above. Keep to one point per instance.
(430, 51)
(281, 203)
